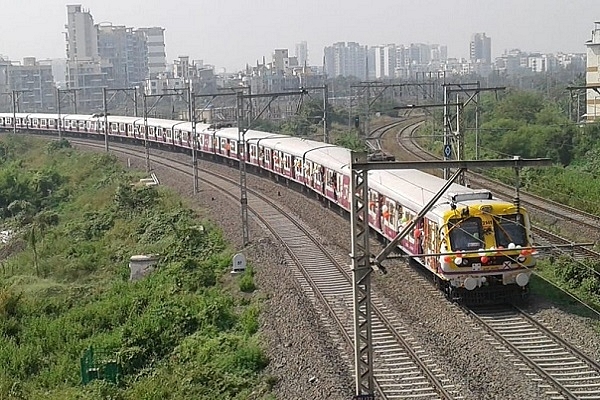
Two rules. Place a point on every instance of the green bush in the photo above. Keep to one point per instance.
(247, 281)
(177, 332)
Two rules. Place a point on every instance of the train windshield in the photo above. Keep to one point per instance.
(510, 229)
(466, 234)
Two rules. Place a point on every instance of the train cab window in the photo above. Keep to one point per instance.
(510, 229)
(466, 234)
(267, 154)
(252, 151)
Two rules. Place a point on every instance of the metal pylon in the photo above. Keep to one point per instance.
(242, 162)
(361, 272)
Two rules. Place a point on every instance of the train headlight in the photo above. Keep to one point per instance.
(470, 283)
(522, 279)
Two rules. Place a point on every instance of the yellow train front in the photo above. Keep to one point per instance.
(478, 248)
(485, 251)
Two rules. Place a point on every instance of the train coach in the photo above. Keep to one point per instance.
(477, 248)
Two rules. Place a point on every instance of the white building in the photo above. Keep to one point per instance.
(157, 56)
(593, 75)
(346, 59)
(302, 53)
(480, 49)
(82, 36)
(385, 61)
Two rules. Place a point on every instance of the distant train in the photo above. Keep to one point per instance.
(478, 248)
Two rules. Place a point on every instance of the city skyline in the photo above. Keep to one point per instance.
(231, 34)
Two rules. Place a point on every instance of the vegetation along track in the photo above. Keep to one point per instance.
(402, 368)
(564, 372)
(588, 225)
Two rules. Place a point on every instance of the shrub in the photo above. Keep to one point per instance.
(247, 281)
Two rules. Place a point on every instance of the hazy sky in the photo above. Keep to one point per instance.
(231, 33)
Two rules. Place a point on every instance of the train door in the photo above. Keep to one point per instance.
(287, 165)
(275, 159)
(267, 158)
(374, 209)
(318, 180)
(298, 169)
(308, 176)
(430, 243)
(234, 152)
(387, 207)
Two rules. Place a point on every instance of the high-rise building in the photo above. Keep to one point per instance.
(592, 77)
(346, 59)
(84, 72)
(35, 80)
(157, 56)
(82, 36)
(302, 53)
(108, 56)
(280, 60)
(383, 61)
(126, 49)
(480, 49)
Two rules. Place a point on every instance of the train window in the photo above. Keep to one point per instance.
(509, 229)
(122, 127)
(466, 234)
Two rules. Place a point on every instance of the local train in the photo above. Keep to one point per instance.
(478, 248)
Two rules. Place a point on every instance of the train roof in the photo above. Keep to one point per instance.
(415, 188)
(251, 136)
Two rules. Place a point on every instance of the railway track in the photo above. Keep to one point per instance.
(560, 370)
(403, 369)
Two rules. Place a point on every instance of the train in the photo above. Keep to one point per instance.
(478, 248)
